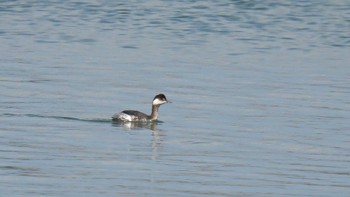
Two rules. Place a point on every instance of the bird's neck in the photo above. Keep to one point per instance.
(154, 114)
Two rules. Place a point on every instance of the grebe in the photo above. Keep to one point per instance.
(136, 116)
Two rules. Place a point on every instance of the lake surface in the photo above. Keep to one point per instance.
(260, 98)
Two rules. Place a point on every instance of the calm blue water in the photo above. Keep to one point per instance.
(259, 89)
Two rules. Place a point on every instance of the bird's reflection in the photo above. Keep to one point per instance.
(137, 125)
(156, 133)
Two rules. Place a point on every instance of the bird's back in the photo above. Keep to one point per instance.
(131, 115)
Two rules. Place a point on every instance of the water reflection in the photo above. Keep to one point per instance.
(137, 125)
(157, 134)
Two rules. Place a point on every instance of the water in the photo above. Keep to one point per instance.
(260, 94)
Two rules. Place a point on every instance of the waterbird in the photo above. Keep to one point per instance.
(137, 116)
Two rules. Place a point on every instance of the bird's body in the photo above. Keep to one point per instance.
(131, 115)
(136, 116)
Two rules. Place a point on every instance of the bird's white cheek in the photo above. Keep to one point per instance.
(158, 102)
